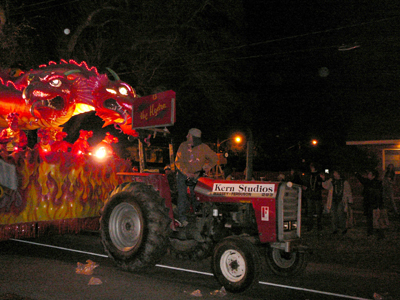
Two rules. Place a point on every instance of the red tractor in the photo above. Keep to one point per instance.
(239, 222)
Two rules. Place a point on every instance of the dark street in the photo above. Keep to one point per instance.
(357, 268)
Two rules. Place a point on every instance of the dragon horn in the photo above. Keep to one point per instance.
(71, 72)
(116, 77)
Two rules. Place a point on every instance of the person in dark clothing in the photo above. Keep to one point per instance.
(294, 177)
(373, 199)
(339, 200)
(314, 197)
(388, 182)
(228, 172)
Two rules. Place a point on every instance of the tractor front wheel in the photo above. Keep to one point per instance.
(236, 264)
(286, 263)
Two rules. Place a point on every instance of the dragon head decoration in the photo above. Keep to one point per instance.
(50, 96)
(113, 100)
(58, 91)
(53, 93)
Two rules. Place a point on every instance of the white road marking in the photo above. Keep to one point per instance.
(185, 270)
(312, 291)
(201, 273)
(60, 248)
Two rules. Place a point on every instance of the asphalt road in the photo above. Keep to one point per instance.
(29, 270)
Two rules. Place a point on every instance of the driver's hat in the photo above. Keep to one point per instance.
(195, 132)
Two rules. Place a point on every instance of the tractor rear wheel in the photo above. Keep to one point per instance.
(135, 226)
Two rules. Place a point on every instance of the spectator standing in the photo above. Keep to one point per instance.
(281, 177)
(373, 199)
(314, 197)
(294, 177)
(228, 173)
(245, 172)
(192, 158)
(339, 200)
(388, 183)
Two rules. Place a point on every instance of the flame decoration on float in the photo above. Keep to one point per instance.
(57, 188)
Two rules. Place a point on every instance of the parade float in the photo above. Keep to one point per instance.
(58, 187)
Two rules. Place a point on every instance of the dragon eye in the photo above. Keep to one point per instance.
(123, 90)
(56, 83)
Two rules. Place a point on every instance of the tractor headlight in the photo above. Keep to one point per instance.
(286, 226)
(294, 225)
(289, 225)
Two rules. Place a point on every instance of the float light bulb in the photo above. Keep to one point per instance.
(101, 153)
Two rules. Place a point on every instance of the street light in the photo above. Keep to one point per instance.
(237, 139)
(313, 142)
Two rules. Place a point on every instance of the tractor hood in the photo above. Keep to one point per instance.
(235, 188)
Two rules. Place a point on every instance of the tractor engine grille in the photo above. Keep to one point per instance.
(288, 211)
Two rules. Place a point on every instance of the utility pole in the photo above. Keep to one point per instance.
(142, 159)
(249, 155)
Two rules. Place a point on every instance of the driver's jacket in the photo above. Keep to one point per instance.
(192, 159)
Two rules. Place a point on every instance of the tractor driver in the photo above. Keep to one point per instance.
(192, 158)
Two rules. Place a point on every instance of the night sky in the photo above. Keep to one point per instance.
(315, 69)
(327, 64)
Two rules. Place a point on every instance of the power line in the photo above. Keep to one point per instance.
(34, 4)
(245, 57)
(272, 41)
(41, 8)
(234, 47)
(228, 48)
(295, 36)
